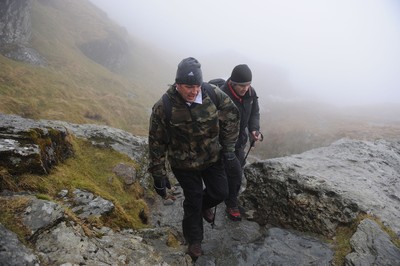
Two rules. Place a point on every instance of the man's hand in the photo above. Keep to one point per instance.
(161, 183)
(256, 136)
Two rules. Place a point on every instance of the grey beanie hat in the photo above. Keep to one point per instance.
(241, 74)
(189, 72)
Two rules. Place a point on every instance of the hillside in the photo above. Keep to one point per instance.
(72, 86)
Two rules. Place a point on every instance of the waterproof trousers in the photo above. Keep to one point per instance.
(199, 197)
(235, 180)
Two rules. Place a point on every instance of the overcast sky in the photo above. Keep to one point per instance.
(344, 51)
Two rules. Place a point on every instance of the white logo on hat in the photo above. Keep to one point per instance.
(191, 73)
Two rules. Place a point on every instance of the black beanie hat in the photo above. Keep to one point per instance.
(189, 72)
(241, 74)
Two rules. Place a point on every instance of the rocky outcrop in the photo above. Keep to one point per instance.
(111, 52)
(320, 189)
(289, 198)
(15, 21)
(13, 252)
(372, 246)
(15, 32)
(28, 146)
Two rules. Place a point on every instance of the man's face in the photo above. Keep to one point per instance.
(188, 92)
(241, 89)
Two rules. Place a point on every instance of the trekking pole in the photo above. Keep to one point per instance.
(252, 142)
(251, 146)
(215, 214)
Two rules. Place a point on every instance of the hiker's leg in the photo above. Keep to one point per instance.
(234, 177)
(216, 185)
(240, 154)
(192, 223)
(234, 181)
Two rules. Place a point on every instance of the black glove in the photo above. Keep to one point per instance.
(161, 183)
(232, 164)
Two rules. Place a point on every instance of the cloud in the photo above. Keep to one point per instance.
(343, 51)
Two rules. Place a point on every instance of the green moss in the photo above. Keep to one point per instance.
(91, 169)
(43, 197)
(10, 210)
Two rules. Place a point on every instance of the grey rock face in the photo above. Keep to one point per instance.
(86, 204)
(15, 21)
(278, 247)
(22, 53)
(372, 246)
(67, 243)
(15, 32)
(126, 172)
(316, 190)
(28, 146)
(104, 136)
(111, 52)
(13, 252)
(41, 213)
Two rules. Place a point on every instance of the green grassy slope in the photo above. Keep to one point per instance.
(72, 87)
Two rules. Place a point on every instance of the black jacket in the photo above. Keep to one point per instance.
(249, 113)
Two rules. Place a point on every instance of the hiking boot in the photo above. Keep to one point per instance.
(194, 250)
(208, 215)
(233, 213)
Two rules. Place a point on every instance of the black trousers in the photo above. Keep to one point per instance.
(235, 180)
(199, 197)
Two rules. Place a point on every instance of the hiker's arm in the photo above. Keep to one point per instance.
(254, 121)
(157, 142)
(229, 122)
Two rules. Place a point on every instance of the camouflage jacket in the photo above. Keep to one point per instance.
(197, 133)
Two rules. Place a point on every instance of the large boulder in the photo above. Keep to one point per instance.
(317, 190)
(28, 146)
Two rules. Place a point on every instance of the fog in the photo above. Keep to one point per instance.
(340, 51)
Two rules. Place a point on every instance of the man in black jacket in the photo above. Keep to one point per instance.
(238, 88)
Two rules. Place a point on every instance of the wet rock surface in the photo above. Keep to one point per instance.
(372, 246)
(319, 189)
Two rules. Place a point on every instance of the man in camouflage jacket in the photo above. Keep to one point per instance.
(198, 140)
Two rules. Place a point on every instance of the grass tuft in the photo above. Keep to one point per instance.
(90, 169)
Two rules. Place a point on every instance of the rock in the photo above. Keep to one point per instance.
(28, 146)
(319, 189)
(108, 137)
(15, 32)
(67, 243)
(128, 173)
(86, 204)
(15, 21)
(278, 247)
(13, 252)
(41, 213)
(111, 52)
(372, 246)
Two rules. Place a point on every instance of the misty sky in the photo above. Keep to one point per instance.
(343, 51)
